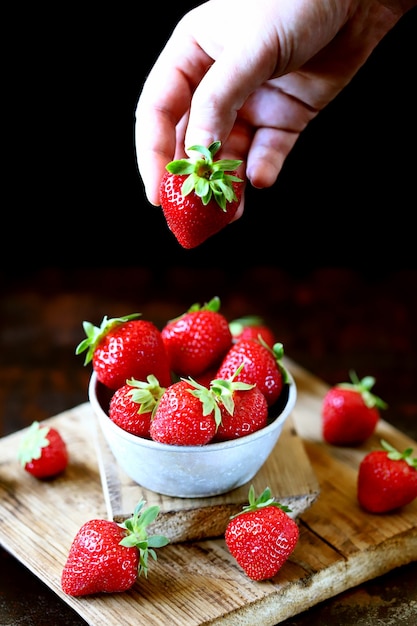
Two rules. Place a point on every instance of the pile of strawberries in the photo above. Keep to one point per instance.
(196, 381)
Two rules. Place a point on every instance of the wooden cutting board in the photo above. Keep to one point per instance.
(287, 472)
(198, 582)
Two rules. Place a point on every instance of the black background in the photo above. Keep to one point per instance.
(346, 194)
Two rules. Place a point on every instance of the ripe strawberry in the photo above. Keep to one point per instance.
(350, 412)
(251, 327)
(387, 479)
(262, 366)
(243, 408)
(43, 452)
(132, 406)
(262, 536)
(125, 347)
(108, 557)
(182, 418)
(197, 340)
(198, 197)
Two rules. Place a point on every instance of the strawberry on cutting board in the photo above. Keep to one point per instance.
(107, 557)
(387, 479)
(123, 348)
(197, 340)
(350, 412)
(200, 196)
(262, 536)
(43, 452)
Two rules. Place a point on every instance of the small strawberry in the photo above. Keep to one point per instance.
(252, 327)
(197, 340)
(125, 347)
(132, 406)
(387, 479)
(108, 557)
(182, 418)
(198, 196)
(262, 366)
(350, 412)
(243, 408)
(262, 536)
(43, 452)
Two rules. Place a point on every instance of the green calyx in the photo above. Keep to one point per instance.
(236, 326)
(260, 502)
(211, 305)
(137, 536)
(364, 387)
(206, 177)
(395, 455)
(34, 440)
(220, 391)
(146, 394)
(96, 333)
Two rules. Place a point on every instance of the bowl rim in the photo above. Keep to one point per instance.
(215, 446)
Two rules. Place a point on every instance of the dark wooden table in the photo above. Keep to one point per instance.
(329, 320)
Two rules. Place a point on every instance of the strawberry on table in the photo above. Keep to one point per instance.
(198, 339)
(132, 406)
(252, 327)
(262, 366)
(123, 348)
(262, 536)
(350, 412)
(107, 557)
(43, 452)
(387, 479)
(200, 196)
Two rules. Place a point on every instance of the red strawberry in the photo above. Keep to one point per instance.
(387, 479)
(132, 406)
(108, 557)
(350, 412)
(125, 347)
(262, 536)
(251, 327)
(182, 418)
(198, 197)
(197, 340)
(261, 367)
(243, 408)
(43, 452)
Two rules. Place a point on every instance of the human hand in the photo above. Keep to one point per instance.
(252, 75)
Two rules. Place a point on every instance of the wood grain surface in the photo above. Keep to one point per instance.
(198, 582)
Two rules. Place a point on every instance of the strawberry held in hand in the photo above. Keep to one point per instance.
(43, 452)
(350, 412)
(108, 557)
(123, 348)
(197, 340)
(387, 479)
(262, 536)
(200, 196)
